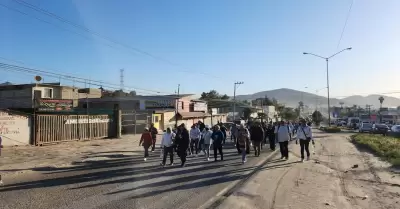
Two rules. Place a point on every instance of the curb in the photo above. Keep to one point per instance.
(215, 201)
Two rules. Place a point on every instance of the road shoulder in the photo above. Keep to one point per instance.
(338, 176)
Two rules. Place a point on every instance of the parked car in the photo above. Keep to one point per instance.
(365, 127)
(395, 128)
(380, 129)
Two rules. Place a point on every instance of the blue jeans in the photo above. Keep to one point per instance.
(243, 154)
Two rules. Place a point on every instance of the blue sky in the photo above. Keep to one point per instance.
(209, 44)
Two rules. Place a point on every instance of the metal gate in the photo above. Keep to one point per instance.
(59, 128)
(134, 122)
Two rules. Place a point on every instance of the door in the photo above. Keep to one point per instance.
(157, 120)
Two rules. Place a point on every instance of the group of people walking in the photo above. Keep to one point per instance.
(201, 138)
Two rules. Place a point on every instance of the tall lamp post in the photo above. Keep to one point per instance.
(327, 76)
(235, 86)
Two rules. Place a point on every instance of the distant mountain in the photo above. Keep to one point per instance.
(291, 98)
(6, 84)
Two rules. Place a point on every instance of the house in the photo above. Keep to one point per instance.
(53, 94)
(166, 110)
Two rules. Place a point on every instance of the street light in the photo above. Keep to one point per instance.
(327, 75)
(235, 86)
(316, 97)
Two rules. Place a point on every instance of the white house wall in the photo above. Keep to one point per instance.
(14, 129)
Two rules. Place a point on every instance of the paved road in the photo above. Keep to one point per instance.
(125, 181)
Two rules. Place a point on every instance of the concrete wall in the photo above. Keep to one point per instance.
(19, 98)
(14, 129)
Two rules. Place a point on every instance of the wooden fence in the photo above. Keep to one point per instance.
(58, 128)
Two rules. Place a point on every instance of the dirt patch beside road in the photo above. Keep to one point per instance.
(386, 147)
(337, 176)
(15, 160)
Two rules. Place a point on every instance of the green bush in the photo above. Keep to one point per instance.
(332, 129)
(386, 147)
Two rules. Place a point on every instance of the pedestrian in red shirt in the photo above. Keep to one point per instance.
(146, 141)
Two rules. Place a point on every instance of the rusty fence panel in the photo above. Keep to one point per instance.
(59, 128)
(134, 122)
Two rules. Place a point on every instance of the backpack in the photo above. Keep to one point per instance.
(290, 135)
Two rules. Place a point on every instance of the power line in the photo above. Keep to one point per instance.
(71, 77)
(80, 27)
(14, 68)
(345, 24)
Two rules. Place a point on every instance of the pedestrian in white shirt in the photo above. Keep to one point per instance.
(195, 135)
(207, 133)
(304, 134)
(167, 146)
(282, 133)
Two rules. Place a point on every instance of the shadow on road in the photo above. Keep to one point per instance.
(133, 172)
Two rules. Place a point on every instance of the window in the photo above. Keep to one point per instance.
(155, 119)
(183, 107)
(48, 93)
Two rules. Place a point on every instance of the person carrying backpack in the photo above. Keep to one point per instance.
(304, 134)
(283, 133)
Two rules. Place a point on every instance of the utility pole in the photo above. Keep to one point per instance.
(176, 106)
(236, 84)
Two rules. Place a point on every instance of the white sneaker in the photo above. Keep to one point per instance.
(145, 159)
(302, 160)
(208, 159)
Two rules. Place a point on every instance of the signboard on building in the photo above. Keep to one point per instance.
(160, 104)
(200, 106)
(91, 120)
(55, 104)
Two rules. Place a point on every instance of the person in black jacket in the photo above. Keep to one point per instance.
(257, 136)
(271, 136)
(182, 142)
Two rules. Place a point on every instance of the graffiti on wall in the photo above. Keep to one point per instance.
(8, 123)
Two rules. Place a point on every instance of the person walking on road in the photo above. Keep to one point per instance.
(242, 139)
(195, 135)
(167, 146)
(271, 136)
(153, 130)
(257, 136)
(304, 134)
(282, 133)
(223, 129)
(182, 143)
(207, 142)
(217, 137)
(146, 140)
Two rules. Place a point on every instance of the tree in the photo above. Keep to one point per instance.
(245, 102)
(289, 113)
(213, 94)
(381, 99)
(301, 105)
(317, 117)
(341, 104)
(247, 112)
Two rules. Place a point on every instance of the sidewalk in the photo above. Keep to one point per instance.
(14, 160)
(337, 176)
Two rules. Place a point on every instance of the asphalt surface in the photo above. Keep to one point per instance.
(126, 181)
